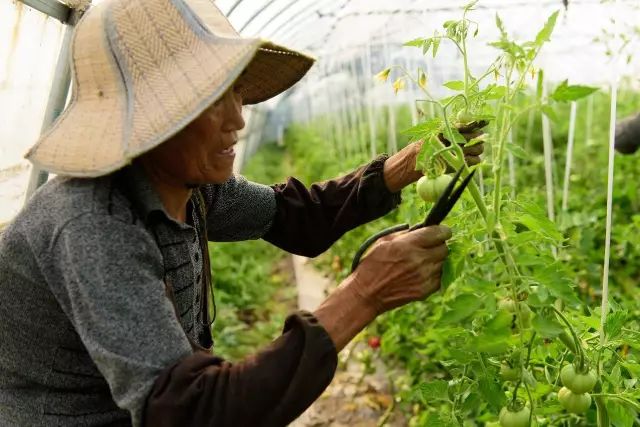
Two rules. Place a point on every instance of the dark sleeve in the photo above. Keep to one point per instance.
(269, 389)
(308, 221)
(627, 140)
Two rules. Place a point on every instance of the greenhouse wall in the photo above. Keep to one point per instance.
(29, 45)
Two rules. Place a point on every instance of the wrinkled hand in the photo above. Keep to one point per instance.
(401, 268)
(399, 169)
(469, 132)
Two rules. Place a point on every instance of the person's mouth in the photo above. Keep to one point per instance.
(229, 151)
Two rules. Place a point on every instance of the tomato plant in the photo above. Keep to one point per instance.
(521, 291)
(507, 294)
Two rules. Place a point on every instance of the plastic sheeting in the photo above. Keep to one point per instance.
(29, 45)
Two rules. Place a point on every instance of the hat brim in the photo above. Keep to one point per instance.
(273, 70)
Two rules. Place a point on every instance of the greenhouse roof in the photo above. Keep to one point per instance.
(592, 43)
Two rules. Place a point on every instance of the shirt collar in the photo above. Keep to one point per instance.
(142, 194)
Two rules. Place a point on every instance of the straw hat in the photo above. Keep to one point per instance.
(144, 69)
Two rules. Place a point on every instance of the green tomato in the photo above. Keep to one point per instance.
(578, 382)
(519, 418)
(575, 403)
(509, 305)
(464, 117)
(507, 373)
(430, 190)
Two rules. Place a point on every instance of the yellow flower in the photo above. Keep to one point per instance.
(399, 84)
(422, 79)
(383, 75)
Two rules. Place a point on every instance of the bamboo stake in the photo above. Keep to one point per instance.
(569, 161)
(548, 159)
(370, 106)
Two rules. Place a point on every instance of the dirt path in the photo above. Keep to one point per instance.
(353, 399)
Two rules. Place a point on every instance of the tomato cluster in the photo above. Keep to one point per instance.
(574, 396)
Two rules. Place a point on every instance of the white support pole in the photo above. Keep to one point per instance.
(569, 161)
(392, 142)
(548, 159)
(604, 309)
(370, 107)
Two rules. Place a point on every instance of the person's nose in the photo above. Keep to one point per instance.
(234, 120)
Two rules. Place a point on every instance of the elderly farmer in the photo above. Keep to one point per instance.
(105, 287)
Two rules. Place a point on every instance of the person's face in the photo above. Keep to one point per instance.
(202, 153)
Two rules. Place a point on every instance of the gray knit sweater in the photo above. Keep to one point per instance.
(64, 263)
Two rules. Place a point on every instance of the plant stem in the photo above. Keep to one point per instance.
(630, 402)
(575, 336)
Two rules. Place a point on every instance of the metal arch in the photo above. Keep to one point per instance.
(236, 4)
(334, 14)
(52, 8)
(255, 15)
(278, 13)
(294, 21)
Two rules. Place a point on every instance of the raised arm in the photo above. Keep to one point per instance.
(309, 220)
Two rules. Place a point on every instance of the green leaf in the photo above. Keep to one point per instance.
(546, 327)
(500, 25)
(614, 324)
(460, 308)
(449, 23)
(456, 137)
(536, 220)
(545, 34)
(436, 45)
(566, 93)
(477, 140)
(434, 390)
(556, 283)
(620, 415)
(426, 46)
(455, 85)
(633, 368)
(469, 6)
(631, 338)
(490, 389)
(419, 42)
(500, 325)
(494, 92)
(517, 151)
(425, 129)
(453, 266)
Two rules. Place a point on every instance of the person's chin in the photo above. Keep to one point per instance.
(217, 177)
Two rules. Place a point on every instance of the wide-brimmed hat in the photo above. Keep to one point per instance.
(143, 69)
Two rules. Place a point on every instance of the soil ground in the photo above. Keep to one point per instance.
(353, 399)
